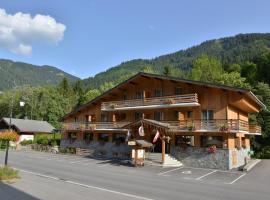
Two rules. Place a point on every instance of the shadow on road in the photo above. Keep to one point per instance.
(8, 192)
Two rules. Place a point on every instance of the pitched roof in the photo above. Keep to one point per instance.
(163, 77)
(29, 126)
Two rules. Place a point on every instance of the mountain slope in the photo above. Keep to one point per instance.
(236, 49)
(27, 74)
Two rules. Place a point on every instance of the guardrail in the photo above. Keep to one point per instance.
(164, 100)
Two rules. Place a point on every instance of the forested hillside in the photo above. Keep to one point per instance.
(241, 61)
(230, 50)
(27, 74)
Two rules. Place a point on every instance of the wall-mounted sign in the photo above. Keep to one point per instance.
(131, 143)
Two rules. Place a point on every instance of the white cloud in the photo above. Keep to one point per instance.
(20, 31)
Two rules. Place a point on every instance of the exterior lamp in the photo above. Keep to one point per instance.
(22, 103)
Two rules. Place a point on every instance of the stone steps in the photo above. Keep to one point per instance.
(154, 159)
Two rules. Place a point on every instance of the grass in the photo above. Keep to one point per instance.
(7, 173)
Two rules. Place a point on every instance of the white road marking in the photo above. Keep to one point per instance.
(237, 179)
(79, 161)
(206, 175)
(162, 173)
(87, 186)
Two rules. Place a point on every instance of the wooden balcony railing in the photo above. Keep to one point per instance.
(164, 101)
(93, 125)
(216, 125)
(255, 128)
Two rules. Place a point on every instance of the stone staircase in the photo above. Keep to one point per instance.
(154, 159)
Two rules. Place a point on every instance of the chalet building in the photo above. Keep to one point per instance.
(200, 124)
(26, 128)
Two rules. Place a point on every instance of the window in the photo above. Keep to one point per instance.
(104, 117)
(208, 141)
(87, 118)
(75, 119)
(72, 137)
(178, 91)
(138, 115)
(189, 114)
(181, 140)
(125, 97)
(158, 116)
(139, 95)
(207, 114)
(88, 137)
(103, 137)
(158, 92)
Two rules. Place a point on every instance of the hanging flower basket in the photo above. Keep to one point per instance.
(212, 149)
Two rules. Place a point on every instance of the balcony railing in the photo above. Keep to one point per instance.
(84, 126)
(255, 129)
(217, 125)
(165, 101)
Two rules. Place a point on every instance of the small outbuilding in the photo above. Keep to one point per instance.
(26, 128)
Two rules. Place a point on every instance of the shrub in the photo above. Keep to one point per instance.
(9, 135)
(264, 153)
(7, 173)
(26, 142)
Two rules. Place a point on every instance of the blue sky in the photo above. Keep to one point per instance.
(100, 34)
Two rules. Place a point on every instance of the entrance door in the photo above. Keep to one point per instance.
(157, 145)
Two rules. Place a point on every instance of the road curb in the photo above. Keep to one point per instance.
(251, 164)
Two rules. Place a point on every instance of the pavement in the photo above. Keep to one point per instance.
(54, 176)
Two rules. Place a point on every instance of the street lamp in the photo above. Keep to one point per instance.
(22, 103)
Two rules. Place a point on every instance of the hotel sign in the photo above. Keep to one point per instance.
(131, 143)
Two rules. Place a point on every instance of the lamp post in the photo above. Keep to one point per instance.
(9, 127)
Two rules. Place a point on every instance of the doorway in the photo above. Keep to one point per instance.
(157, 146)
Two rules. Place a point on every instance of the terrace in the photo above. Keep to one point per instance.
(156, 102)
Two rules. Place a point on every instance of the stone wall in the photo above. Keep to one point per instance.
(107, 149)
(199, 157)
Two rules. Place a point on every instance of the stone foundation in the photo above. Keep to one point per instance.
(106, 150)
(201, 158)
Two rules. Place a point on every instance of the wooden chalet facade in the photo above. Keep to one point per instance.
(191, 116)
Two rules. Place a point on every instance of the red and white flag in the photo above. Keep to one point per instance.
(156, 137)
(141, 131)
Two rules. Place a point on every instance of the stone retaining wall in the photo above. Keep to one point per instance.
(201, 158)
(107, 150)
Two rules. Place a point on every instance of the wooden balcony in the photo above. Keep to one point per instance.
(156, 102)
(217, 125)
(93, 126)
(255, 129)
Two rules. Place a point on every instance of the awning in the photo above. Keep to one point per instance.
(143, 143)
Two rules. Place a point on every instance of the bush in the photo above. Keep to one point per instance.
(263, 153)
(7, 173)
(26, 142)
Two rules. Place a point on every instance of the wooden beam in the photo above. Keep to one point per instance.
(163, 150)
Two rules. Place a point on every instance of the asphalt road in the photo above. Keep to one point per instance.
(48, 176)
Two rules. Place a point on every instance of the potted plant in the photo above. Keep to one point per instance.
(223, 127)
(190, 126)
(212, 149)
